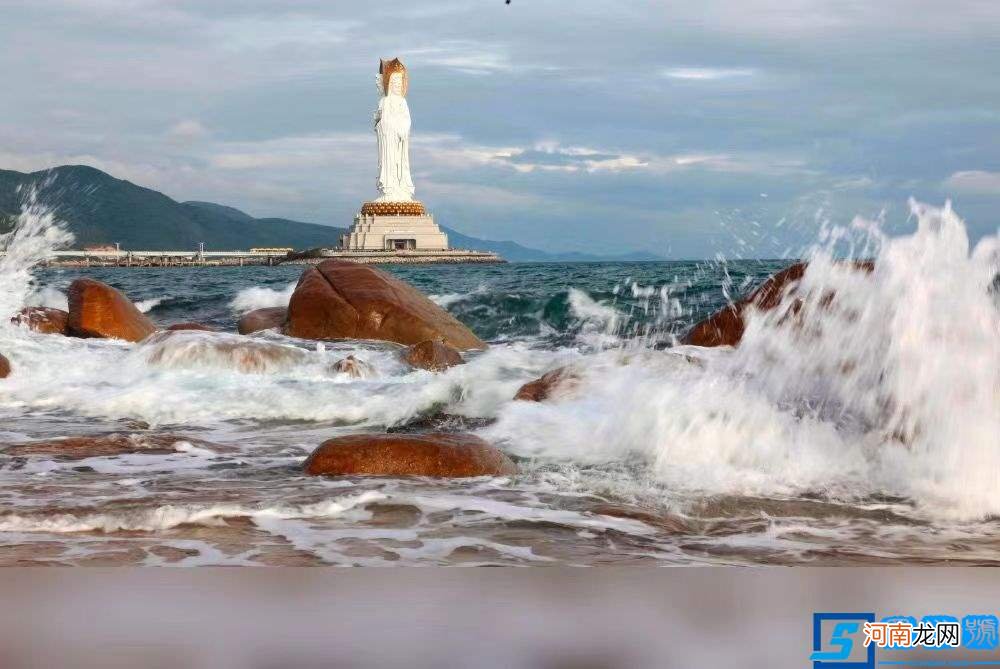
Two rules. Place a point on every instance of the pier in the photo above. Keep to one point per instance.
(200, 258)
(268, 258)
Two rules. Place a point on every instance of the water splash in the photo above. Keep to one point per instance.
(909, 355)
(36, 234)
(860, 384)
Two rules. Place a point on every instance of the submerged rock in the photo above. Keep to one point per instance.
(98, 310)
(441, 455)
(433, 355)
(667, 522)
(45, 320)
(359, 369)
(4, 366)
(550, 385)
(78, 448)
(343, 300)
(726, 326)
(195, 350)
(190, 326)
(261, 319)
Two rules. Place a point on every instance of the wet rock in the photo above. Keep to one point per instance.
(726, 326)
(45, 320)
(441, 455)
(343, 300)
(549, 385)
(358, 369)
(4, 366)
(261, 319)
(78, 448)
(663, 521)
(98, 310)
(190, 326)
(442, 422)
(433, 355)
(197, 350)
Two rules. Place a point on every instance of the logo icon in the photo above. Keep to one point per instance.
(838, 641)
(980, 632)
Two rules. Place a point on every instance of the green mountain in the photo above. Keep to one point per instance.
(100, 209)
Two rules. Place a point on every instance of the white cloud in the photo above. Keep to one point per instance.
(975, 182)
(462, 56)
(708, 73)
(187, 130)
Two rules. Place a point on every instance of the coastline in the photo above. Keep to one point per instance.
(395, 257)
(235, 259)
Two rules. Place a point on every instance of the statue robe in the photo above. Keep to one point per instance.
(392, 127)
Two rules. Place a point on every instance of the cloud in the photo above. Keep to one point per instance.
(553, 157)
(674, 111)
(708, 73)
(974, 182)
(467, 57)
(187, 130)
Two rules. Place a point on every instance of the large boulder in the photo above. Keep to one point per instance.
(45, 320)
(4, 366)
(442, 455)
(98, 310)
(261, 319)
(432, 355)
(344, 300)
(726, 326)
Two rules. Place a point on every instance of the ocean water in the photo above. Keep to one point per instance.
(862, 431)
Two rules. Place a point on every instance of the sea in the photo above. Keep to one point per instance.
(860, 427)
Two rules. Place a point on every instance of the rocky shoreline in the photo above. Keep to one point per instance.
(337, 299)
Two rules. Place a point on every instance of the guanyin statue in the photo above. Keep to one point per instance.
(392, 127)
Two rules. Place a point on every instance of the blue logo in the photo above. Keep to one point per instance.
(838, 641)
(979, 632)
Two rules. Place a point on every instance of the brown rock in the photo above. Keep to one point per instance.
(98, 310)
(726, 326)
(45, 320)
(261, 319)
(344, 300)
(433, 355)
(664, 521)
(351, 366)
(549, 385)
(190, 326)
(77, 448)
(444, 455)
(4, 366)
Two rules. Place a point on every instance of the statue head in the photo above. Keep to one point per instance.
(394, 78)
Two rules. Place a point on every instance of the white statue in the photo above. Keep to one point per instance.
(392, 126)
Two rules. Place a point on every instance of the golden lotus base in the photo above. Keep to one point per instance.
(413, 208)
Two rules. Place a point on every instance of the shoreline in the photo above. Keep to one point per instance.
(303, 258)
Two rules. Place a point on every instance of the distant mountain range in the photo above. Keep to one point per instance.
(100, 209)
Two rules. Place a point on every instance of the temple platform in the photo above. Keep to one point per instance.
(394, 226)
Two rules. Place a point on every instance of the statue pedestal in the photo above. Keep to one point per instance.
(394, 226)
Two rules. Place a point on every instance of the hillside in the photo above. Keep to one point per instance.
(100, 209)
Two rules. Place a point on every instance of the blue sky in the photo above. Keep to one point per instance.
(684, 128)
